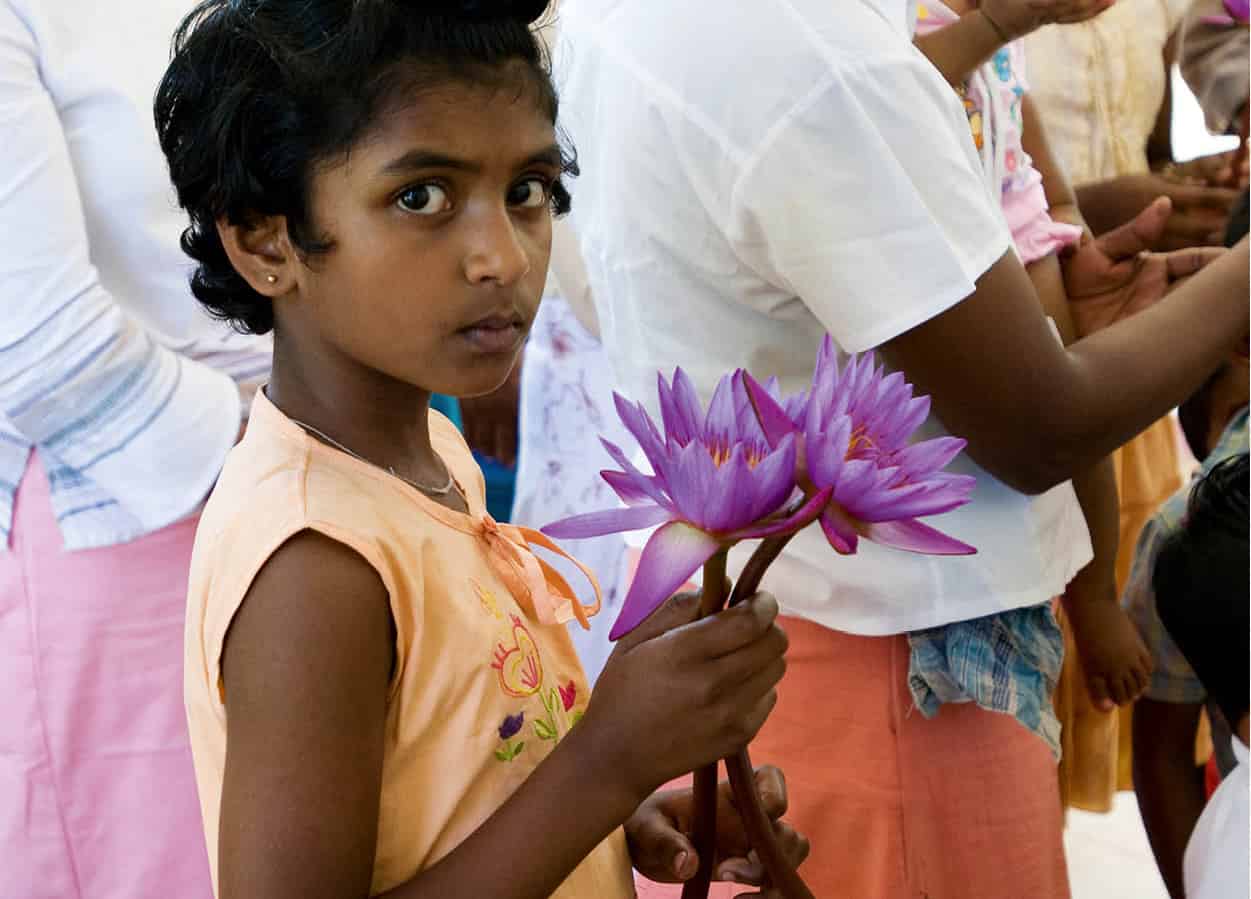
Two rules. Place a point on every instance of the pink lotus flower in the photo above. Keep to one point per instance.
(853, 427)
(717, 480)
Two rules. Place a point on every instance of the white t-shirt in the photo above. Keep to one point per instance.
(1218, 857)
(755, 174)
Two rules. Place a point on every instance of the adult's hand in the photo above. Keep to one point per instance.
(1229, 169)
(1113, 276)
(1017, 18)
(1199, 211)
(661, 849)
(491, 421)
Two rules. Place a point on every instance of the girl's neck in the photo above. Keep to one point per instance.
(378, 418)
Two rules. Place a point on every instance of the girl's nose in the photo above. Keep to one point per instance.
(495, 252)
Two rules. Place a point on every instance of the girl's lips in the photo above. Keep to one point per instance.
(494, 335)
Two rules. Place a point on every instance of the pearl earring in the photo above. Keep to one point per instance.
(271, 278)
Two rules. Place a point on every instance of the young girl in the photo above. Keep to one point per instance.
(382, 696)
(979, 49)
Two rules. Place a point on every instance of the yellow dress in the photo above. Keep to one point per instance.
(1099, 87)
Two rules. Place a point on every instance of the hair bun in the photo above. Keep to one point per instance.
(527, 11)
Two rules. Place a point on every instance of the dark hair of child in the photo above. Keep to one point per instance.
(1200, 583)
(1193, 415)
(260, 92)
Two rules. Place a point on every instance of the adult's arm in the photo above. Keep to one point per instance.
(79, 376)
(1034, 412)
(898, 245)
(1167, 781)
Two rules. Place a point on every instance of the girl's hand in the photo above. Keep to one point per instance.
(1017, 18)
(679, 693)
(659, 835)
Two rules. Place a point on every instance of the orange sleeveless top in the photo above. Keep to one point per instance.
(486, 679)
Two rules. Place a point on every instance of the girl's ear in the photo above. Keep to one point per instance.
(260, 251)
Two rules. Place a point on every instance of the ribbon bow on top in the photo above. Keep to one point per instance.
(533, 582)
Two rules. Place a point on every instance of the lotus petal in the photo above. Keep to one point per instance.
(773, 419)
(801, 518)
(628, 488)
(772, 481)
(839, 531)
(689, 421)
(912, 536)
(671, 556)
(609, 521)
(651, 485)
(728, 504)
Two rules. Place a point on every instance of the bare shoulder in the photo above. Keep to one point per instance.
(306, 668)
(316, 607)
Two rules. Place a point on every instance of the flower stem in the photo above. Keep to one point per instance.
(747, 800)
(760, 836)
(704, 836)
(754, 571)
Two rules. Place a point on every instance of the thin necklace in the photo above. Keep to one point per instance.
(444, 490)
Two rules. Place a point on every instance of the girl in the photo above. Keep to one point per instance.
(381, 695)
(980, 51)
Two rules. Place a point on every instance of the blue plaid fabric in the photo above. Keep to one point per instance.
(1008, 663)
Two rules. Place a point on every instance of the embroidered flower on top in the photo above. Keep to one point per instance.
(510, 727)
(519, 665)
(568, 695)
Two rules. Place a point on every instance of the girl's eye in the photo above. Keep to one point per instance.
(424, 199)
(529, 194)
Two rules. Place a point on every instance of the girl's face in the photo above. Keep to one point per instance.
(441, 223)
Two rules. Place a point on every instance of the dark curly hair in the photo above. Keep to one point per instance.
(258, 93)
(1200, 579)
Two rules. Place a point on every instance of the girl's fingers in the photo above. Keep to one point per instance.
(730, 631)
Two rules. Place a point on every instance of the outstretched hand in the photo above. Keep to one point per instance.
(1114, 276)
(1017, 18)
(659, 835)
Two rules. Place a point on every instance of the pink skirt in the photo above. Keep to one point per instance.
(97, 792)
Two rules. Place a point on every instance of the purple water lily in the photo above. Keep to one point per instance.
(853, 427)
(716, 480)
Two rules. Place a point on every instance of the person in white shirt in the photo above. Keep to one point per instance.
(1200, 585)
(119, 399)
(755, 175)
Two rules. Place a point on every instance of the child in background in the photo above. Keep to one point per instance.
(382, 696)
(979, 50)
(1200, 583)
(1169, 785)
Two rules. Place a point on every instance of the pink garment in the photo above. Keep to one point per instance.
(97, 791)
(993, 97)
(1036, 234)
